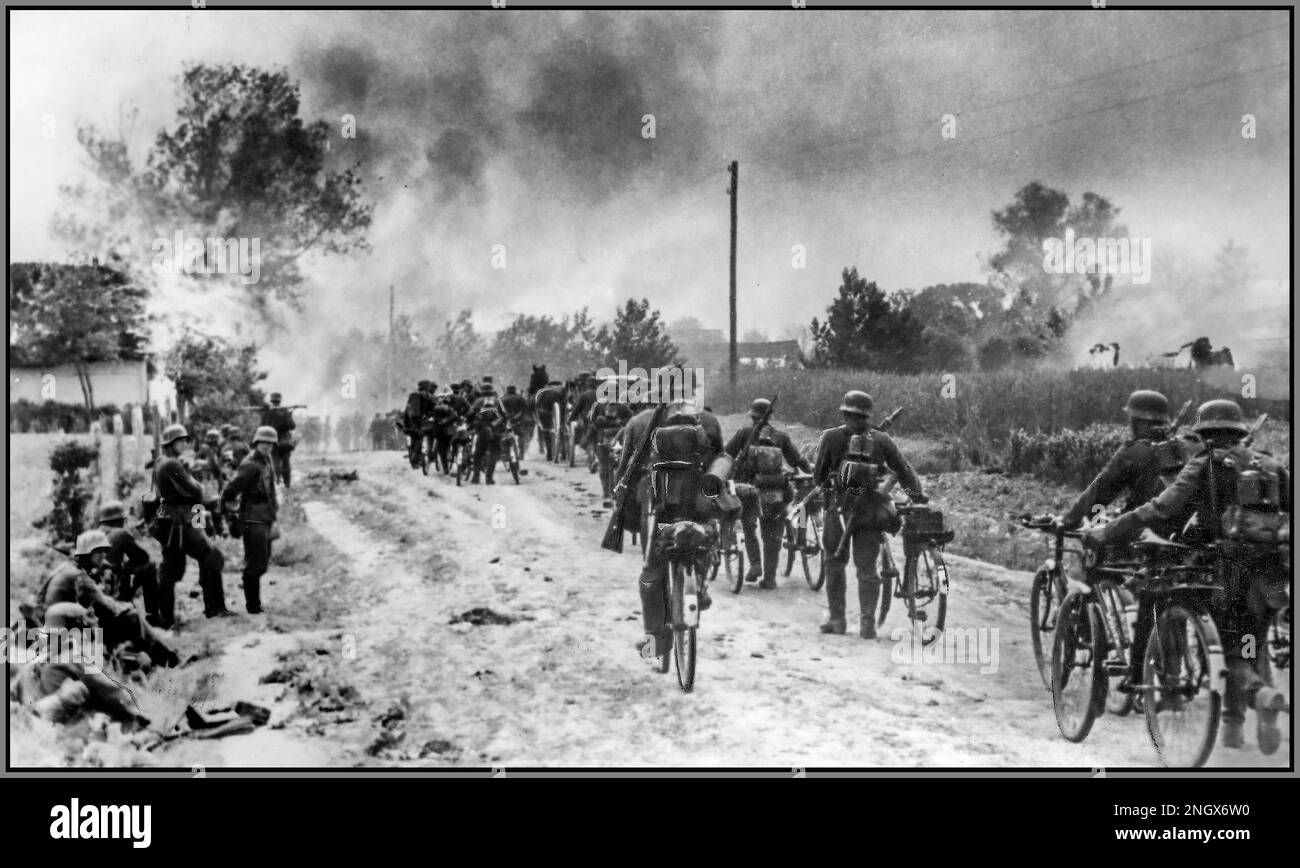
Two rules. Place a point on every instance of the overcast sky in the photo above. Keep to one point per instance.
(524, 129)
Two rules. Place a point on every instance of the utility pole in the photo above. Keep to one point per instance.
(390, 346)
(731, 358)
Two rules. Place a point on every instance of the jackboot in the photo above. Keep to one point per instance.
(835, 599)
(1232, 736)
(868, 597)
(166, 604)
(755, 556)
(771, 557)
(1268, 702)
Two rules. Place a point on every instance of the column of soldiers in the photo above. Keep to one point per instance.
(1170, 483)
(461, 420)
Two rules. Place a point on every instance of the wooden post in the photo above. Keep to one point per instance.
(734, 191)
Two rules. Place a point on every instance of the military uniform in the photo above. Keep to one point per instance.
(281, 420)
(181, 502)
(765, 510)
(487, 420)
(1256, 574)
(604, 422)
(654, 572)
(132, 570)
(1137, 468)
(121, 621)
(865, 529)
(254, 487)
(61, 691)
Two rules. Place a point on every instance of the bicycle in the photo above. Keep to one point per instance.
(1184, 667)
(510, 452)
(805, 516)
(464, 458)
(1047, 590)
(689, 555)
(730, 553)
(924, 578)
(1096, 645)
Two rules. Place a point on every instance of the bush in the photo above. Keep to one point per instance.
(29, 417)
(1068, 457)
(72, 494)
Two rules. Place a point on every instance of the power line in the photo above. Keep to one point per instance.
(1064, 85)
(1048, 122)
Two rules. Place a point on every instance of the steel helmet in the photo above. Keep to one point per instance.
(172, 433)
(275, 397)
(111, 510)
(857, 402)
(90, 541)
(1220, 415)
(226, 429)
(759, 406)
(68, 616)
(213, 434)
(1148, 404)
(265, 434)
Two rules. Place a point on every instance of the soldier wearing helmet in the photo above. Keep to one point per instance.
(1227, 484)
(128, 564)
(78, 581)
(281, 419)
(251, 494)
(760, 462)
(233, 448)
(855, 444)
(60, 690)
(1138, 465)
(180, 526)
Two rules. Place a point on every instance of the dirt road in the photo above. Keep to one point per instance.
(562, 684)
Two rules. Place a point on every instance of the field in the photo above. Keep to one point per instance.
(981, 409)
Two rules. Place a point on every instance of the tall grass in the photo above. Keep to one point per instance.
(980, 410)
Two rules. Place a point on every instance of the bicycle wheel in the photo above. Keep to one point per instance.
(1044, 606)
(514, 465)
(792, 541)
(1182, 673)
(424, 459)
(1078, 680)
(814, 564)
(682, 598)
(647, 523)
(1279, 639)
(925, 581)
(889, 584)
(573, 447)
(733, 556)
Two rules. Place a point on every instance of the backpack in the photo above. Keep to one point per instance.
(857, 472)
(765, 458)
(680, 452)
(1247, 493)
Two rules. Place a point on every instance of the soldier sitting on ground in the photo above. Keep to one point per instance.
(132, 570)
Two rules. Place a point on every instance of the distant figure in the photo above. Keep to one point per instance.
(1204, 356)
(1098, 352)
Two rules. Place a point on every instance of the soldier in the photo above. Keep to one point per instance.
(604, 421)
(179, 527)
(488, 421)
(377, 432)
(234, 448)
(60, 691)
(207, 469)
(132, 569)
(76, 581)
(1139, 467)
(762, 465)
(684, 424)
(254, 489)
(1211, 489)
(849, 462)
(281, 420)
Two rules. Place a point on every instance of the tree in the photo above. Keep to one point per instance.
(866, 328)
(214, 378)
(75, 314)
(530, 340)
(239, 164)
(637, 337)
